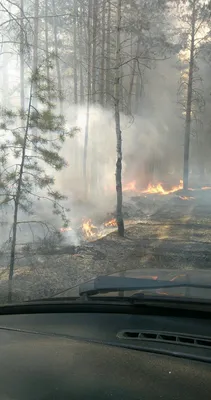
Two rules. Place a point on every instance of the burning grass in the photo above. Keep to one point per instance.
(88, 228)
(155, 200)
(152, 188)
(112, 222)
(161, 232)
(158, 188)
(179, 244)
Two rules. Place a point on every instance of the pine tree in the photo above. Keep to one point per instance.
(26, 152)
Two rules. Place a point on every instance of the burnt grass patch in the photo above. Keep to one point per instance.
(165, 234)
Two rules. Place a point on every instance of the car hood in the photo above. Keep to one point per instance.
(189, 276)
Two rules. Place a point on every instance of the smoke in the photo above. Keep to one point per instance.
(147, 143)
(152, 150)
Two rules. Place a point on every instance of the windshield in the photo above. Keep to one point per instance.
(105, 144)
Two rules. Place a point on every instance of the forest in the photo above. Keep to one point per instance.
(99, 98)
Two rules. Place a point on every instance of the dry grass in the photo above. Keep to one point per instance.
(171, 238)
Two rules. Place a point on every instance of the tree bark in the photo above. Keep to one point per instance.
(81, 55)
(119, 216)
(94, 50)
(35, 51)
(102, 66)
(47, 48)
(86, 136)
(35, 44)
(22, 95)
(189, 101)
(57, 59)
(108, 56)
(75, 52)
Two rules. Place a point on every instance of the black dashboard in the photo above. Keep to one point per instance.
(84, 355)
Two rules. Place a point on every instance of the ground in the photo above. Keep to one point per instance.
(170, 233)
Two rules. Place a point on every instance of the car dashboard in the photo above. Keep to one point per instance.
(102, 355)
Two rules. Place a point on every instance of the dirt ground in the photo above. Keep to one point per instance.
(175, 234)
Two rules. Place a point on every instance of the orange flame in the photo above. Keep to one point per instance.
(112, 222)
(159, 188)
(151, 189)
(88, 228)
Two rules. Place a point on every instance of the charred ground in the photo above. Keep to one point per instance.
(161, 232)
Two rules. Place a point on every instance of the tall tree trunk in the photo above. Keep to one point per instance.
(81, 54)
(47, 48)
(94, 51)
(119, 215)
(35, 50)
(57, 59)
(47, 55)
(22, 95)
(102, 66)
(35, 44)
(88, 99)
(17, 203)
(75, 18)
(189, 101)
(108, 56)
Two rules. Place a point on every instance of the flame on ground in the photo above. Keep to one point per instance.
(152, 189)
(92, 232)
(88, 228)
(160, 190)
(112, 222)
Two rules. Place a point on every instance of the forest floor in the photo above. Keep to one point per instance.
(170, 233)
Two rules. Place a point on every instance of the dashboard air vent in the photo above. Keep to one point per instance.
(165, 337)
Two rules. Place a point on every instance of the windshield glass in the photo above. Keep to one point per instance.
(105, 144)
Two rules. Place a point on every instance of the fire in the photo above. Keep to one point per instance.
(67, 229)
(155, 189)
(88, 228)
(151, 189)
(112, 222)
(206, 188)
(159, 189)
